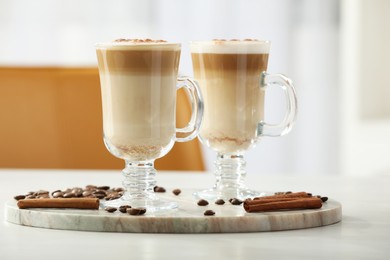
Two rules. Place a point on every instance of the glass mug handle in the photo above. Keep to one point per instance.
(191, 130)
(279, 80)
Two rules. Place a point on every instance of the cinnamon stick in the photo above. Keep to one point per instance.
(300, 194)
(74, 203)
(298, 203)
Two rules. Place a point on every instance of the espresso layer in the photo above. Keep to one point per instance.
(141, 61)
(211, 62)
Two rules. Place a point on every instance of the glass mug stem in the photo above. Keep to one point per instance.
(230, 175)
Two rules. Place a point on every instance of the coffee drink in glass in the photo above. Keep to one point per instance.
(139, 80)
(233, 79)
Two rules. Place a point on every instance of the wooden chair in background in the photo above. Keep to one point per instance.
(52, 118)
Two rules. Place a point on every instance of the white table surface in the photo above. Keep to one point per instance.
(363, 233)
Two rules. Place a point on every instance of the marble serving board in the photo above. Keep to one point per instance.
(187, 218)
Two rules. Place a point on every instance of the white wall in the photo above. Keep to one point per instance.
(365, 114)
(304, 36)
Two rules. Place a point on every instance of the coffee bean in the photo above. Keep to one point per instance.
(136, 211)
(176, 191)
(19, 197)
(159, 189)
(103, 187)
(30, 197)
(68, 190)
(86, 193)
(78, 192)
(99, 196)
(41, 192)
(324, 199)
(124, 208)
(203, 202)
(118, 189)
(235, 201)
(90, 187)
(100, 192)
(69, 195)
(52, 193)
(209, 212)
(112, 196)
(110, 209)
(44, 196)
(220, 202)
(58, 194)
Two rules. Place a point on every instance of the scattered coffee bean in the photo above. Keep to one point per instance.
(44, 196)
(41, 192)
(99, 192)
(324, 199)
(112, 196)
(55, 192)
(176, 191)
(158, 189)
(209, 212)
(86, 193)
(58, 194)
(78, 192)
(103, 187)
(90, 187)
(89, 191)
(69, 195)
(203, 202)
(119, 189)
(99, 196)
(124, 208)
(136, 211)
(19, 197)
(235, 201)
(220, 202)
(110, 209)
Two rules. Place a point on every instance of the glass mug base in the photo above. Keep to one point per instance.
(230, 174)
(214, 194)
(139, 182)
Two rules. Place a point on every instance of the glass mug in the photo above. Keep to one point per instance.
(138, 86)
(233, 80)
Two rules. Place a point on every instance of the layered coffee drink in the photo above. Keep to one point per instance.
(138, 86)
(229, 75)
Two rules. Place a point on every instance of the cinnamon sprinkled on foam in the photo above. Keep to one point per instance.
(139, 40)
(236, 40)
(230, 46)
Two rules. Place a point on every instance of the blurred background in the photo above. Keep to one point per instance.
(336, 52)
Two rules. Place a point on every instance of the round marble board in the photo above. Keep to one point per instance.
(187, 218)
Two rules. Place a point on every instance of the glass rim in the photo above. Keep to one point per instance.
(135, 45)
(230, 42)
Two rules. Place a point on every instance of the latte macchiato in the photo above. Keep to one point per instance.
(138, 86)
(228, 73)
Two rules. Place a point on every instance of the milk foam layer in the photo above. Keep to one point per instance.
(231, 47)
